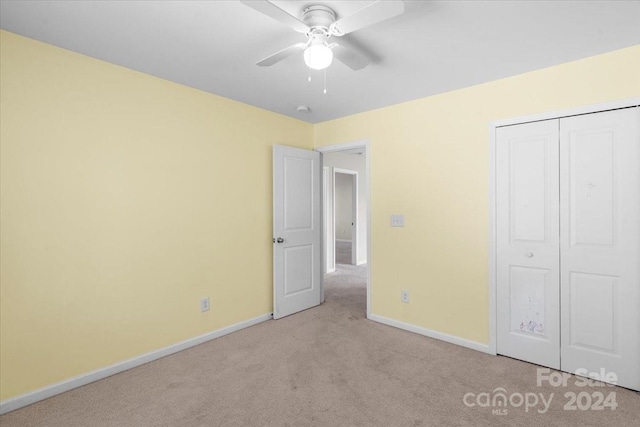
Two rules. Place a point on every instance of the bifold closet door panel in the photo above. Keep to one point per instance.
(527, 173)
(600, 244)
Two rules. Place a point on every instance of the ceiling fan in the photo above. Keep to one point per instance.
(319, 22)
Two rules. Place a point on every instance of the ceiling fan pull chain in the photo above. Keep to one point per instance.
(325, 81)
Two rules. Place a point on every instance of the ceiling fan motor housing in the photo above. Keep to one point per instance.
(318, 16)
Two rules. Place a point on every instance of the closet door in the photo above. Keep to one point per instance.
(527, 242)
(600, 244)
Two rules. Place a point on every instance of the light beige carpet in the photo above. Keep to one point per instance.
(343, 252)
(327, 366)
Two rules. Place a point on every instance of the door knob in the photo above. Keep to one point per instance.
(529, 254)
(280, 240)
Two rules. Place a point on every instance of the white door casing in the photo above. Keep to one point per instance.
(354, 219)
(328, 234)
(600, 244)
(296, 230)
(527, 242)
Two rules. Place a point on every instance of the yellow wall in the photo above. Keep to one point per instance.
(430, 162)
(124, 200)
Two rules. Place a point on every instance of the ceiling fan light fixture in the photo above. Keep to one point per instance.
(318, 56)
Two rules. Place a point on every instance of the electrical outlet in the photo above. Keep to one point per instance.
(204, 304)
(397, 220)
(404, 296)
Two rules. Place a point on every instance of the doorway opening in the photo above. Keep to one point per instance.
(345, 210)
(346, 223)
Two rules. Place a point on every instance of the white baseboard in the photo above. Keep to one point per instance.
(362, 262)
(432, 334)
(343, 240)
(75, 382)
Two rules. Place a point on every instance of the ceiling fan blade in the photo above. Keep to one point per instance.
(368, 15)
(273, 11)
(280, 55)
(349, 57)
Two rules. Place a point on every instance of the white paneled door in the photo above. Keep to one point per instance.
(527, 242)
(296, 230)
(600, 244)
(568, 244)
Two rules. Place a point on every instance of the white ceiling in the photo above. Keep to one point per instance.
(436, 46)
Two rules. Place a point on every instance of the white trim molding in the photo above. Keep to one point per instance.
(84, 379)
(432, 334)
(589, 109)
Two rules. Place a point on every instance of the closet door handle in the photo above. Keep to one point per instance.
(529, 254)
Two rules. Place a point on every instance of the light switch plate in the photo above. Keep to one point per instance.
(397, 220)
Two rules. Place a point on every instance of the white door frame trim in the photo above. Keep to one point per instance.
(364, 144)
(327, 267)
(595, 108)
(354, 211)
